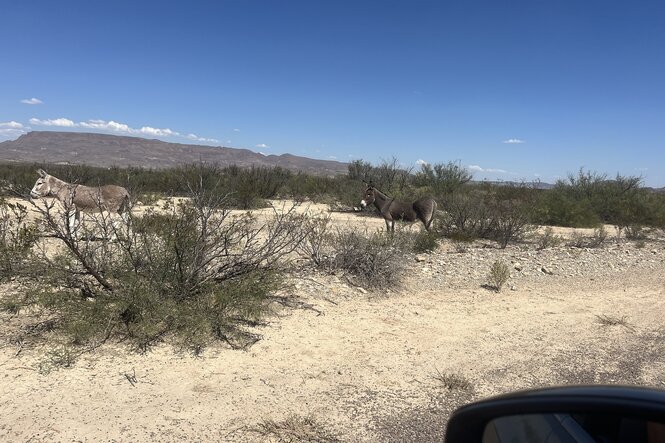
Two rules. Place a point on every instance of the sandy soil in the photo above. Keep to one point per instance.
(362, 367)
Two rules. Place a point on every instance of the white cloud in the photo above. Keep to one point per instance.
(236, 130)
(12, 124)
(107, 126)
(513, 141)
(476, 168)
(32, 101)
(113, 126)
(332, 157)
(262, 145)
(421, 162)
(202, 139)
(166, 132)
(10, 132)
(65, 122)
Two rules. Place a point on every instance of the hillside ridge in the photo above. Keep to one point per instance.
(105, 150)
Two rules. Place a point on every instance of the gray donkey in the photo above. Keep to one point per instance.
(422, 209)
(111, 198)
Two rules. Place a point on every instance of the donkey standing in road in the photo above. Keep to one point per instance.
(76, 198)
(422, 209)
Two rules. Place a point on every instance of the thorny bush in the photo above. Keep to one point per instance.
(191, 271)
(17, 236)
(371, 260)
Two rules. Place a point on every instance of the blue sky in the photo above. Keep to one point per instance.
(513, 90)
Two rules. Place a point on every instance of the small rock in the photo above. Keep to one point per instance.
(362, 290)
(421, 258)
(518, 266)
(547, 271)
(513, 288)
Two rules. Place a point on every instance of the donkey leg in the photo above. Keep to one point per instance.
(431, 219)
(427, 223)
(114, 227)
(73, 222)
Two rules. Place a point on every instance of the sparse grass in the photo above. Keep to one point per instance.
(424, 242)
(548, 239)
(452, 381)
(371, 260)
(578, 240)
(295, 429)
(599, 236)
(498, 275)
(613, 320)
(460, 246)
(10, 306)
(635, 232)
(63, 357)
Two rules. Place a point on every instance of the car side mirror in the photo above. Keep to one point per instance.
(580, 414)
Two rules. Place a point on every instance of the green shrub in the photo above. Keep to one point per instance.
(371, 260)
(17, 236)
(425, 241)
(192, 273)
(510, 221)
(599, 237)
(548, 239)
(467, 217)
(635, 232)
(498, 275)
(442, 178)
(502, 214)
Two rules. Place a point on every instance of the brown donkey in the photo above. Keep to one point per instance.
(422, 209)
(79, 198)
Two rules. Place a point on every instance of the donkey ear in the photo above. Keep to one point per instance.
(41, 173)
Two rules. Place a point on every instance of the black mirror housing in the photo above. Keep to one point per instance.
(468, 423)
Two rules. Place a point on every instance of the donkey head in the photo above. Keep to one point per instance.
(42, 186)
(368, 195)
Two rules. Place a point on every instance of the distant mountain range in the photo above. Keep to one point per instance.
(113, 150)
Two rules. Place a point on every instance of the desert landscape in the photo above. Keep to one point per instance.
(331, 222)
(337, 362)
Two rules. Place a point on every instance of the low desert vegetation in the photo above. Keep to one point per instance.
(191, 272)
(452, 381)
(598, 238)
(502, 211)
(613, 320)
(17, 237)
(370, 260)
(548, 239)
(498, 276)
(294, 428)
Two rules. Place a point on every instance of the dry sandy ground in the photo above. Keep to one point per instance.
(362, 367)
